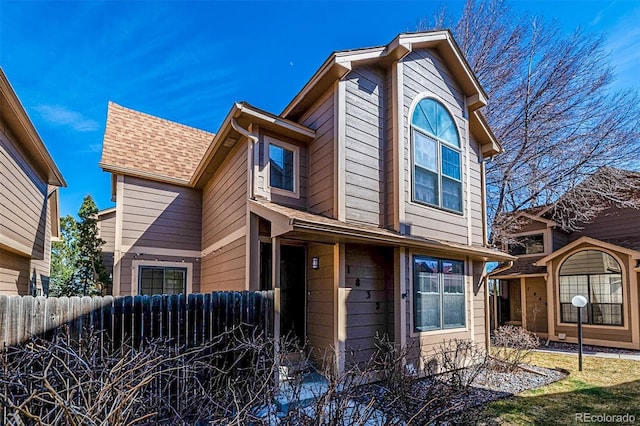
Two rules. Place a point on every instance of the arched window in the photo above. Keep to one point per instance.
(437, 174)
(597, 276)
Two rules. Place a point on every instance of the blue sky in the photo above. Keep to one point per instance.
(189, 61)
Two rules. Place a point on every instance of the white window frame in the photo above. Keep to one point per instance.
(439, 143)
(268, 141)
(135, 275)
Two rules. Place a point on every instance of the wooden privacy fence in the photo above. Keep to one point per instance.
(187, 320)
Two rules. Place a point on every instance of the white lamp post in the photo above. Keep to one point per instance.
(579, 302)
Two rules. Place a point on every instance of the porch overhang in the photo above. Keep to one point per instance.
(296, 224)
(522, 267)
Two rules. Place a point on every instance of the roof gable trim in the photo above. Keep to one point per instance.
(587, 240)
(340, 63)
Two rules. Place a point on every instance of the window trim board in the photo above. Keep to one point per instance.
(267, 142)
(468, 298)
(461, 150)
(625, 292)
(137, 263)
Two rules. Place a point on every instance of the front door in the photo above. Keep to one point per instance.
(292, 292)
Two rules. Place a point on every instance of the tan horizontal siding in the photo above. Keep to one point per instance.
(14, 273)
(42, 267)
(424, 72)
(224, 199)
(320, 117)
(365, 146)
(321, 319)
(609, 333)
(160, 215)
(224, 270)
(23, 208)
(107, 225)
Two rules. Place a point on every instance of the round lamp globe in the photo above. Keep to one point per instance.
(579, 301)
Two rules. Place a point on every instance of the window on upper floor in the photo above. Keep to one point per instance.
(283, 166)
(438, 294)
(437, 170)
(527, 244)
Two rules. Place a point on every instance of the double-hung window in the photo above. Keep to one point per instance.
(438, 294)
(437, 171)
(162, 280)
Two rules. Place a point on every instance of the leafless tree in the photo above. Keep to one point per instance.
(552, 107)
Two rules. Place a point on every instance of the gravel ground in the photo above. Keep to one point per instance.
(573, 347)
(464, 406)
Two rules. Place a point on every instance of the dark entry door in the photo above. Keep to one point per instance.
(292, 291)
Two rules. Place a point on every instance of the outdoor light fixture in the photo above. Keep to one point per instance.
(315, 263)
(579, 302)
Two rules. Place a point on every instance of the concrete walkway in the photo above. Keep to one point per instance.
(634, 357)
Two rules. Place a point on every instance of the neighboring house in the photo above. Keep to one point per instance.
(107, 232)
(601, 261)
(361, 204)
(29, 182)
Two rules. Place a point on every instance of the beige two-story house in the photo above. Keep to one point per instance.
(600, 261)
(29, 182)
(361, 204)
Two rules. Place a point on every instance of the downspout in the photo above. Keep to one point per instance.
(252, 140)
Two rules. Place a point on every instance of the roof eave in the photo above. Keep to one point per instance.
(30, 138)
(340, 63)
(253, 115)
(282, 223)
(484, 135)
(510, 277)
(473, 252)
(119, 170)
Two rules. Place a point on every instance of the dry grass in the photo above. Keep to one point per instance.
(606, 386)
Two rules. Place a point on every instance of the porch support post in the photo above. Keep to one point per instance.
(633, 304)
(497, 285)
(487, 311)
(275, 283)
(523, 301)
(400, 296)
(340, 336)
(252, 251)
(551, 302)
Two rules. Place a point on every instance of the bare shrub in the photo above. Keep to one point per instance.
(69, 382)
(513, 346)
(462, 361)
(232, 379)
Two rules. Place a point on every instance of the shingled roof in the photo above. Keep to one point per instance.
(522, 266)
(139, 144)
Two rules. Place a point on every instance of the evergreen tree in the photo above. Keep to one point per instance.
(64, 253)
(77, 267)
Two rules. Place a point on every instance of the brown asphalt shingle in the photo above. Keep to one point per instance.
(524, 266)
(148, 144)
